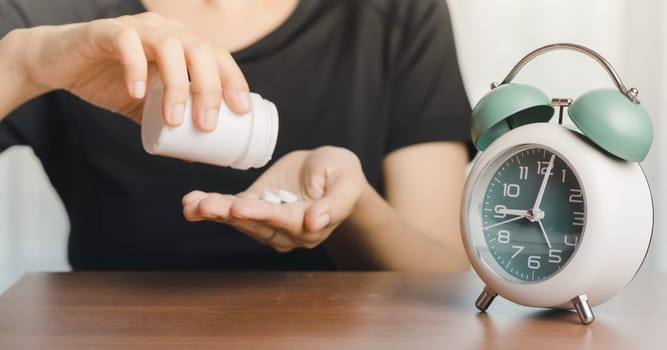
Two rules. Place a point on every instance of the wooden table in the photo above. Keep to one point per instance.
(308, 310)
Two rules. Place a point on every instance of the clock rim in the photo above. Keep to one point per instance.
(591, 269)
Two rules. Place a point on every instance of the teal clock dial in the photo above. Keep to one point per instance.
(533, 214)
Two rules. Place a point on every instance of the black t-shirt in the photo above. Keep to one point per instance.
(371, 76)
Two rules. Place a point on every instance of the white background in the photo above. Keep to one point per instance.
(492, 36)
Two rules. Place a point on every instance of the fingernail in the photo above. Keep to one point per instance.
(244, 100)
(178, 114)
(139, 89)
(322, 221)
(211, 118)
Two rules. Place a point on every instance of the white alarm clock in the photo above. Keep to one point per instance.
(551, 216)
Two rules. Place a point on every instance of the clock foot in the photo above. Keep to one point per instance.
(485, 299)
(583, 309)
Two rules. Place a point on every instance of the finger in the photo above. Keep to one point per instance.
(206, 86)
(191, 212)
(234, 85)
(170, 57)
(316, 172)
(265, 234)
(318, 216)
(213, 206)
(314, 182)
(282, 243)
(127, 44)
(339, 199)
(216, 206)
(248, 195)
(193, 196)
(287, 218)
(338, 190)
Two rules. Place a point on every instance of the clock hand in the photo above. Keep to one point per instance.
(514, 212)
(544, 233)
(504, 222)
(530, 214)
(543, 186)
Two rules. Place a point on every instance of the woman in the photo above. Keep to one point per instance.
(372, 137)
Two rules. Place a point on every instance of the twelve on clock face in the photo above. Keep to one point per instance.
(533, 214)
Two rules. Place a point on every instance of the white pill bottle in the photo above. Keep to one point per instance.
(239, 141)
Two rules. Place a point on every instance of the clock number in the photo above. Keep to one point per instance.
(523, 173)
(564, 172)
(503, 236)
(511, 190)
(534, 262)
(542, 167)
(573, 243)
(500, 211)
(554, 256)
(575, 195)
(518, 248)
(578, 219)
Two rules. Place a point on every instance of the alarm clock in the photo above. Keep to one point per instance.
(555, 216)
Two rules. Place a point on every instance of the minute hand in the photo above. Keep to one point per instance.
(543, 186)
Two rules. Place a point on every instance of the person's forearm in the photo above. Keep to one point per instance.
(375, 236)
(14, 81)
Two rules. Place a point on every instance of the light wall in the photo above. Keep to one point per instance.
(33, 223)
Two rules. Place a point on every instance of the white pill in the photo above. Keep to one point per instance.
(270, 197)
(287, 197)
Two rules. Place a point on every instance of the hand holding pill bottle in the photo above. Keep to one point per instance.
(239, 141)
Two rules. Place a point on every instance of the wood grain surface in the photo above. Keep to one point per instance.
(308, 310)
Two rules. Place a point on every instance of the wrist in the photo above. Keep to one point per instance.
(361, 231)
(22, 45)
(16, 80)
(365, 214)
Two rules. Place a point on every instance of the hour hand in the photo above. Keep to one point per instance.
(513, 212)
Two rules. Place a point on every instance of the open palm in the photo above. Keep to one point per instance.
(328, 180)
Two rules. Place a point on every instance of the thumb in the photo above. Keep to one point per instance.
(339, 199)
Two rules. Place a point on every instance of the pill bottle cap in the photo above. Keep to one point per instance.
(263, 135)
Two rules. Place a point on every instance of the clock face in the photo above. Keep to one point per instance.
(532, 213)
